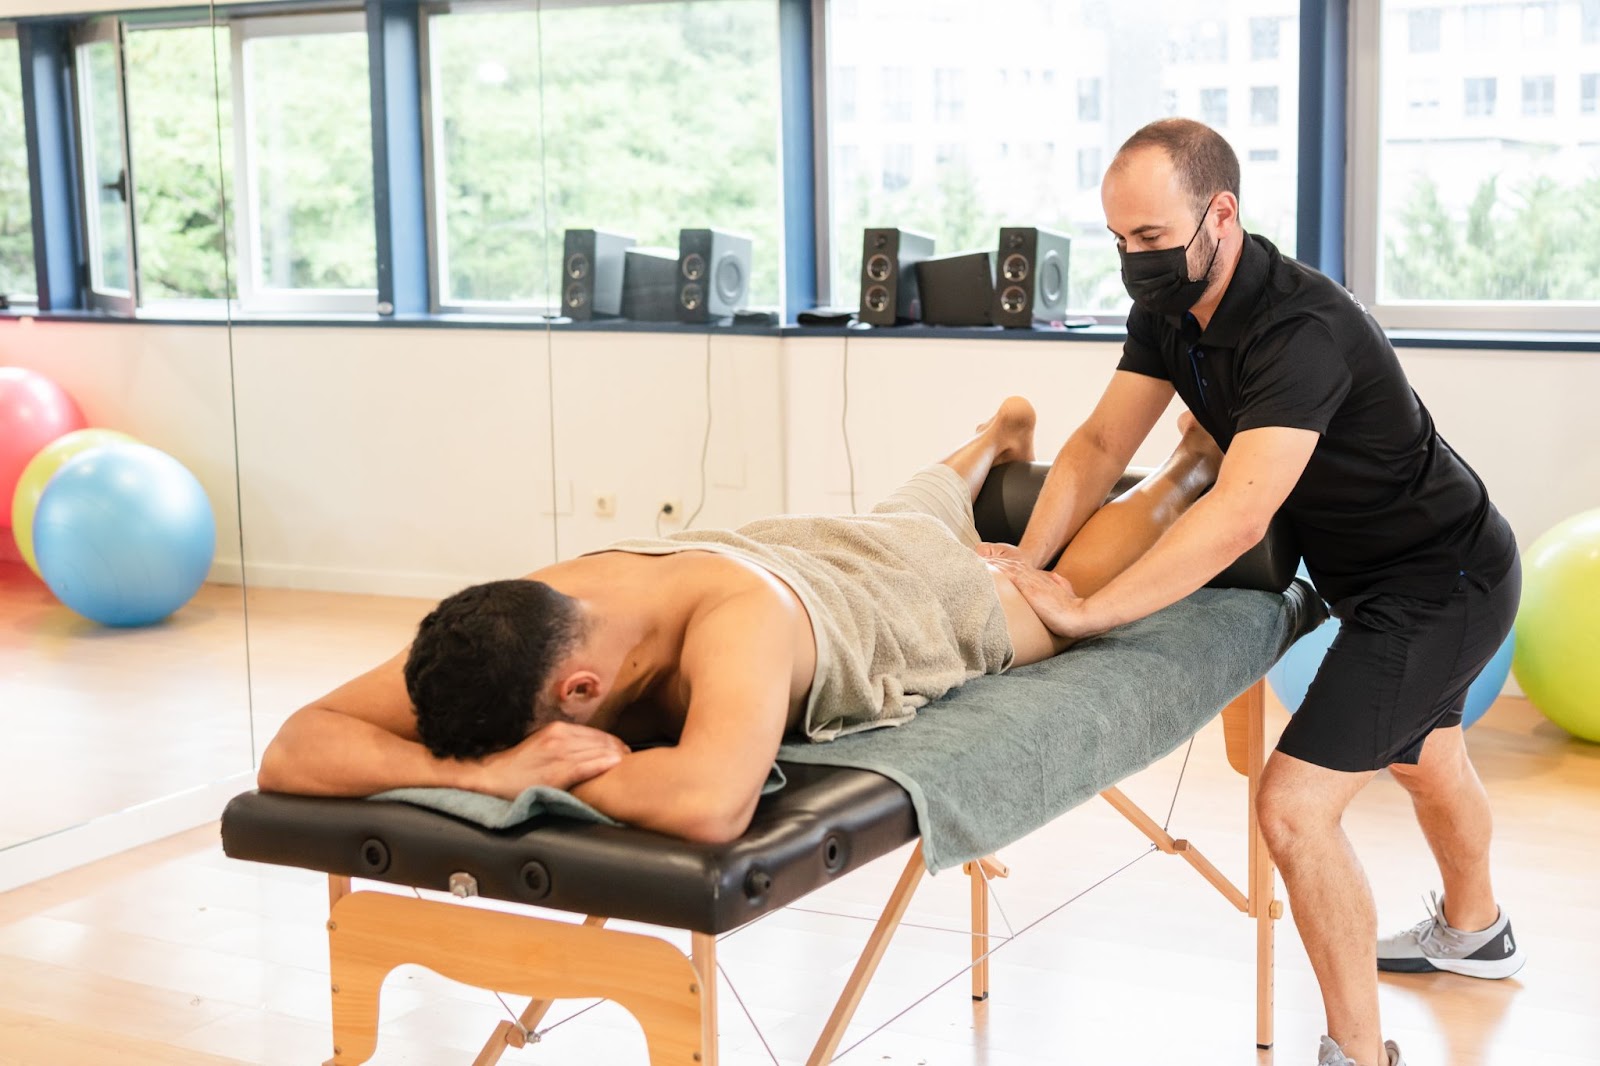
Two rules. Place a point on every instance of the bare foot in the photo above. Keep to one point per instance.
(1197, 441)
(1012, 430)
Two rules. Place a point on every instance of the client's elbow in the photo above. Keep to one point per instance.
(713, 822)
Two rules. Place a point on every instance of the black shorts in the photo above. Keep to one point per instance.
(1399, 669)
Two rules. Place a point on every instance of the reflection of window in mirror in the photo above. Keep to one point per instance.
(177, 151)
(17, 285)
(302, 117)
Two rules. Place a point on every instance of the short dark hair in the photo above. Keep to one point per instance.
(480, 661)
(1205, 162)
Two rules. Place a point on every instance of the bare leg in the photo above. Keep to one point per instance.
(1119, 533)
(1301, 806)
(1453, 810)
(1005, 438)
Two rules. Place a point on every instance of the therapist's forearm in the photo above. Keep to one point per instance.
(1079, 480)
(1201, 544)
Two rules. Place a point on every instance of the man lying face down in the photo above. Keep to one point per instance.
(719, 643)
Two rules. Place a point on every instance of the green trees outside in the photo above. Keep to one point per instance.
(16, 215)
(1539, 240)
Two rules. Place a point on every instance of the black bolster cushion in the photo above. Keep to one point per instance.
(1008, 495)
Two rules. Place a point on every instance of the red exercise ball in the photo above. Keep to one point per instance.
(34, 411)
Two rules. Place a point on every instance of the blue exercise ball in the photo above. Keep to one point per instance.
(124, 534)
(1486, 689)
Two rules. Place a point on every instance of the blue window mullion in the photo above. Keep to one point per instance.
(398, 172)
(799, 156)
(1319, 228)
(46, 52)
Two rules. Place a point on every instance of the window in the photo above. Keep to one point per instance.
(1588, 91)
(970, 179)
(897, 162)
(1422, 95)
(1591, 21)
(1480, 23)
(1264, 105)
(1539, 95)
(1090, 168)
(1201, 42)
(638, 145)
(1458, 222)
(301, 99)
(1480, 93)
(103, 157)
(1264, 38)
(16, 218)
(174, 146)
(1424, 33)
(949, 94)
(1539, 21)
(484, 138)
(898, 97)
(1263, 155)
(843, 89)
(1088, 99)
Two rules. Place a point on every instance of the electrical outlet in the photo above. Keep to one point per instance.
(671, 512)
(605, 505)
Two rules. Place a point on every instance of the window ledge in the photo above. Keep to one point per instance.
(1479, 340)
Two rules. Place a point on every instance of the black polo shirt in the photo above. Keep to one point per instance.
(1384, 505)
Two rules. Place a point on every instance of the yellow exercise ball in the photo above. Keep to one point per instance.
(1558, 629)
(37, 474)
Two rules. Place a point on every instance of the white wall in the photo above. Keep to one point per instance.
(414, 461)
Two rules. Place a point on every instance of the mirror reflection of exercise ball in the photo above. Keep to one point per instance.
(124, 535)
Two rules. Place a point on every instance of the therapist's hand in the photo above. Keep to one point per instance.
(1000, 551)
(1053, 599)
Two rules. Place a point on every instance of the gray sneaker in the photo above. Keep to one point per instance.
(1432, 945)
(1330, 1054)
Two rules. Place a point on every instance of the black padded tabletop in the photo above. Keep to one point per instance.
(826, 822)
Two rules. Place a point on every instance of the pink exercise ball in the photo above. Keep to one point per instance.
(34, 411)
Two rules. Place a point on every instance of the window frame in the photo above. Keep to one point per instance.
(433, 165)
(96, 295)
(1363, 248)
(253, 296)
(29, 299)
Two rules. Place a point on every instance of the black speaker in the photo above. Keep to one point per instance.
(713, 274)
(888, 277)
(1030, 282)
(592, 263)
(650, 285)
(957, 290)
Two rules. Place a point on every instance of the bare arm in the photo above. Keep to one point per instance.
(1260, 470)
(1091, 461)
(361, 739)
(738, 662)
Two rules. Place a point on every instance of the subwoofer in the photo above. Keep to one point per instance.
(713, 274)
(1031, 276)
(650, 285)
(957, 290)
(592, 265)
(888, 275)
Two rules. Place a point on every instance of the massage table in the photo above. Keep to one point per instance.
(826, 821)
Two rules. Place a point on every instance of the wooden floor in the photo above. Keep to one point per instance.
(173, 954)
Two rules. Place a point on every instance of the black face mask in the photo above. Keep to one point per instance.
(1159, 281)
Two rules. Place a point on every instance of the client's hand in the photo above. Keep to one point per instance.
(1052, 598)
(1000, 551)
(559, 755)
